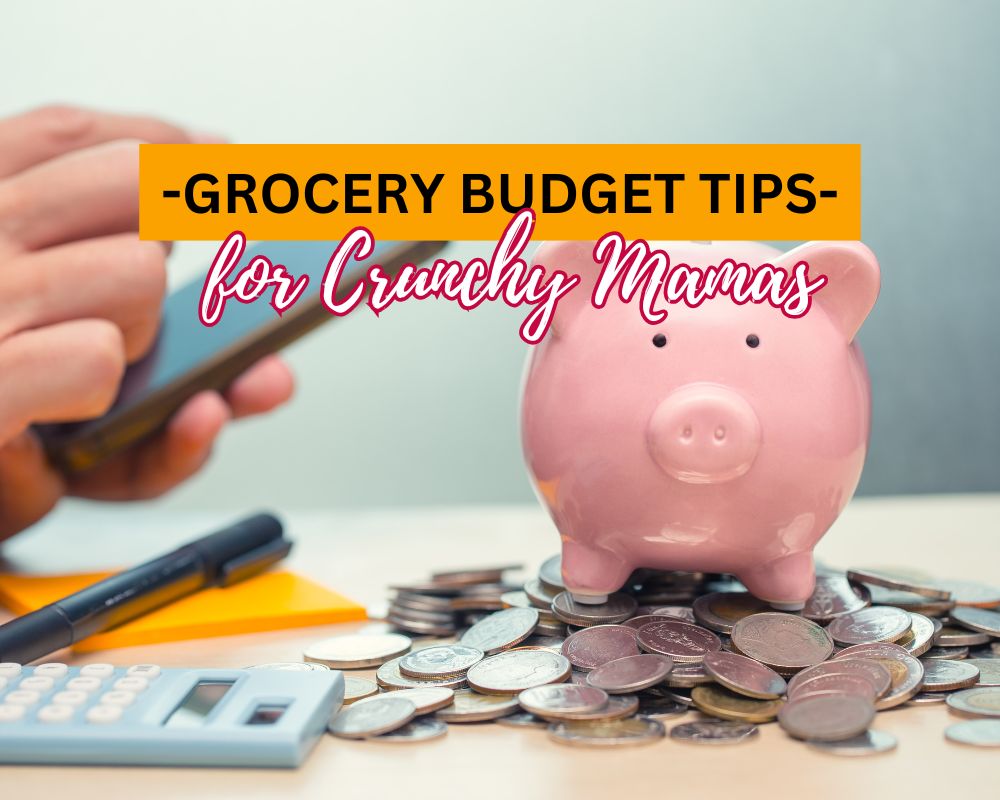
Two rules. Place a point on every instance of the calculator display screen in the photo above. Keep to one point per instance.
(198, 704)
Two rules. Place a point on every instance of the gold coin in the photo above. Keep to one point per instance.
(724, 704)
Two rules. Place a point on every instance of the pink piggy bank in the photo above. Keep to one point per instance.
(726, 439)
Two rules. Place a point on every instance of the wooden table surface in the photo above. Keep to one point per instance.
(360, 553)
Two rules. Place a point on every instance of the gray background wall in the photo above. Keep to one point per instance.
(420, 406)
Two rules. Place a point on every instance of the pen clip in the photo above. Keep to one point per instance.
(254, 562)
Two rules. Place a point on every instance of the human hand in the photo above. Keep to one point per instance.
(80, 298)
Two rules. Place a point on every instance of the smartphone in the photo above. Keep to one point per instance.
(189, 357)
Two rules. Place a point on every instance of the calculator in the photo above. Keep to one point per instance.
(147, 715)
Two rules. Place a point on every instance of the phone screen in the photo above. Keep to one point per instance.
(188, 356)
(183, 342)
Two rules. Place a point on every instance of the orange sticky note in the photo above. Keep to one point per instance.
(267, 602)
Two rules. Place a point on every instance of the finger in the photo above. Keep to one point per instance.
(117, 278)
(69, 371)
(82, 195)
(45, 133)
(266, 385)
(159, 465)
(29, 486)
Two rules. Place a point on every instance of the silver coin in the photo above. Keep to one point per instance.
(591, 647)
(556, 629)
(420, 627)
(631, 673)
(889, 581)
(977, 732)
(516, 670)
(644, 619)
(682, 641)
(834, 596)
(470, 706)
(357, 651)
(927, 698)
(538, 594)
(784, 642)
(971, 593)
(947, 676)
(515, 599)
(868, 743)
(713, 732)
(744, 675)
(422, 602)
(553, 643)
(501, 630)
(826, 718)
(607, 733)
(473, 576)
(618, 706)
(390, 678)
(989, 670)
(562, 700)
(292, 666)
(686, 676)
(358, 688)
(952, 636)
(876, 674)
(550, 574)
(842, 682)
(919, 639)
(978, 702)
(522, 719)
(909, 601)
(372, 718)
(439, 661)
(870, 625)
(977, 619)
(906, 672)
(421, 729)
(444, 619)
(946, 653)
(427, 699)
(680, 612)
(617, 608)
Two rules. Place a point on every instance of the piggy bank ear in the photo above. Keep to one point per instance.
(573, 258)
(853, 279)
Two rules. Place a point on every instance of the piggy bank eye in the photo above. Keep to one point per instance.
(753, 340)
(659, 340)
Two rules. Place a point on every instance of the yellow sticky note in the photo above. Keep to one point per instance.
(271, 601)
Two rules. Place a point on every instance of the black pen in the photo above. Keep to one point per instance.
(219, 559)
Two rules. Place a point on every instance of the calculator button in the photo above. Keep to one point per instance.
(22, 697)
(97, 670)
(70, 698)
(37, 683)
(9, 713)
(52, 670)
(147, 671)
(8, 670)
(132, 684)
(118, 698)
(102, 715)
(89, 684)
(56, 713)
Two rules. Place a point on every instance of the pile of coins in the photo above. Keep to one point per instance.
(667, 644)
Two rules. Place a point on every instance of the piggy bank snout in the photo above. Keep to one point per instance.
(704, 433)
